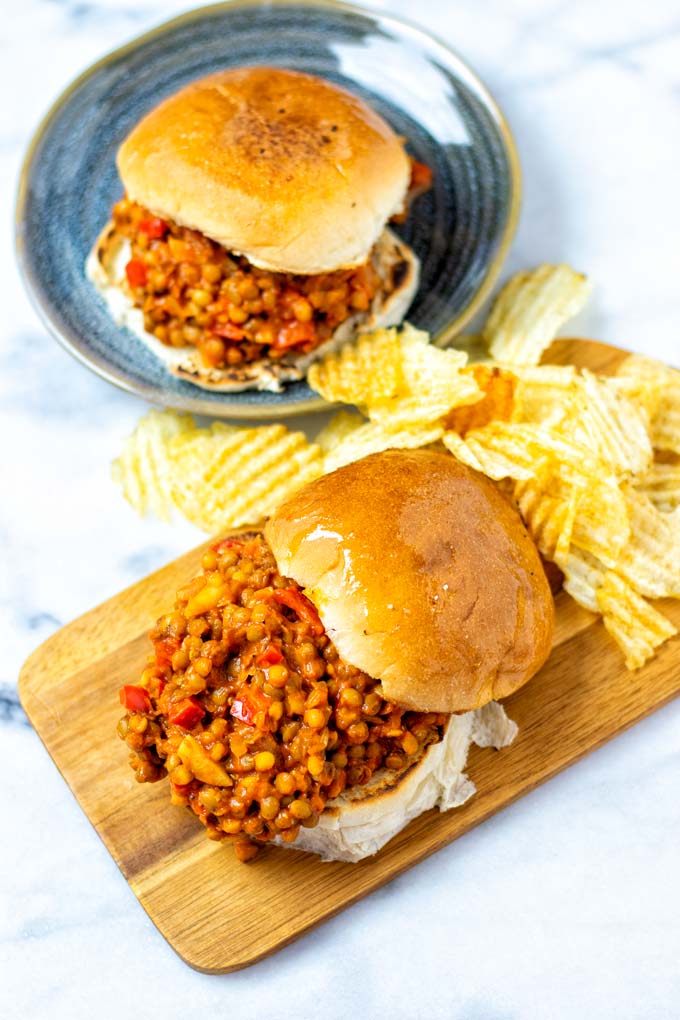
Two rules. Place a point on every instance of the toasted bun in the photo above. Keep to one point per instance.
(393, 259)
(289, 170)
(424, 577)
(361, 820)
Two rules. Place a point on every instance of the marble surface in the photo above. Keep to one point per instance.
(566, 905)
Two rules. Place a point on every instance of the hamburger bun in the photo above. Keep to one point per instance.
(423, 575)
(291, 171)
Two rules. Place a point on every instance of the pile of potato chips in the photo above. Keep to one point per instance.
(592, 462)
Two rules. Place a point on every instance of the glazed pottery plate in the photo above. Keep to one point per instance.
(460, 229)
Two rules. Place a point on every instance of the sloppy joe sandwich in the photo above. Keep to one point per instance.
(318, 684)
(253, 237)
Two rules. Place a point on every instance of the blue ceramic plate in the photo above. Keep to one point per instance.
(461, 229)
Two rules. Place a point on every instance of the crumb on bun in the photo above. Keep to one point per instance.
(424, 577)
(287, 169)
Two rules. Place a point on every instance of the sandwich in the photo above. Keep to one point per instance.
(252, 237)
(318, 684)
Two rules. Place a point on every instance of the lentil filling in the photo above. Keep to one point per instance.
(193, 292)
(247, 706)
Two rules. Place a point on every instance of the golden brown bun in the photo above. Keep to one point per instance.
(282, 167)
(424, 577)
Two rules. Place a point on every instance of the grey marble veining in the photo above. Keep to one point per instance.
(566, 905)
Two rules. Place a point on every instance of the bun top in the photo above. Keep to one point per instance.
(289, 170)
(423, 575)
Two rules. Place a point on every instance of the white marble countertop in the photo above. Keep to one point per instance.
(566, 905)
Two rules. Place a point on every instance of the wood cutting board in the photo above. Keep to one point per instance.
(220, 915)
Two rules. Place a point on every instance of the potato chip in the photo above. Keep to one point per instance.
(661, 484)
(374, 438)
(549, 519)
(611, 425)
(521, 451)
(650, 561)
(530, 310)
(472, 451)
(142, 471)
(666, 422)
(497, 403)
(583, 575)
(367, 370)
(545, 394)
(400, 378)
(225, 477)
(338, 428)
(601, 525)
(636, 626)
(657, 387)
(432, 384)
(642, 379)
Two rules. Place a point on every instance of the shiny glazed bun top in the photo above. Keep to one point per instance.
(289, 170)
(423, 575)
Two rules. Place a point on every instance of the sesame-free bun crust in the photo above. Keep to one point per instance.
(287, 169)
(424, 577)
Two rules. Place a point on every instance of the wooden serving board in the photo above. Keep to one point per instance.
(220, 915)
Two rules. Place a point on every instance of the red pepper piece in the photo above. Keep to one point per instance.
(240, 709)
(294, 334)
(164, 649)
(251, 704)
(247, 547)
(135, 699)
(186, 713)
(301, 606)
(136, 273)
(228, 331)
(226, 543)
(153, 227)
(270, 656)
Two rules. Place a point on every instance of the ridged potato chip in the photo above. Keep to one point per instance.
(497, 464)
(368, 369)
(518, 450)
(530, 310)
(374, 438)
(650, 561)
(637, 627)
(611, 425)
(545, 394)
(223, 476)
(432, 383)
(661, 484)
(657, 387)
(399, 378)
(497, 403)
(583, 575)
(549, 518)
(601, 525)
(143, 471)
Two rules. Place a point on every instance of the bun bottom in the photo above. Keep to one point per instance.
(105, 267)
(359, 823)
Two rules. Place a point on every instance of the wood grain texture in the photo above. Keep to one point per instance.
(220, 915)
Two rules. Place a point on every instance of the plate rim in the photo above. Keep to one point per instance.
(72, 342)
